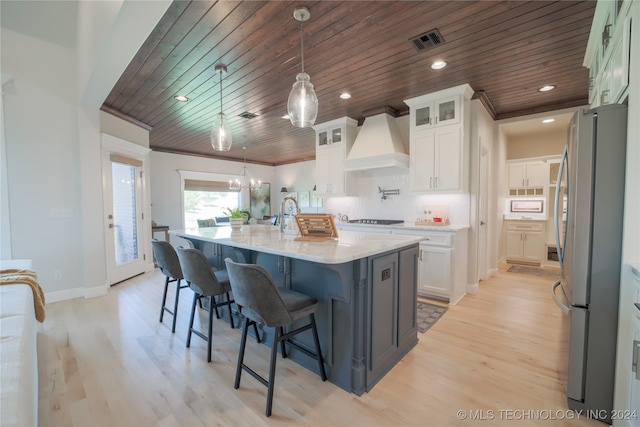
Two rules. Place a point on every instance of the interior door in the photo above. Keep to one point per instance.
(123, 209)
(483, 214)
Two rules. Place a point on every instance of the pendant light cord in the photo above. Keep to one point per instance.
(220, 91)
(302, 44)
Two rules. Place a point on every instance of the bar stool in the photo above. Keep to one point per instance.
(167, 261)
(205, 282)
(262, 302)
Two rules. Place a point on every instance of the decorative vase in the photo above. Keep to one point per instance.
(236, 223)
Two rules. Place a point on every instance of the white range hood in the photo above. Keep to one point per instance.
(378, 145)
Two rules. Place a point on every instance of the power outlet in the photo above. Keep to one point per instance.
(57, 275)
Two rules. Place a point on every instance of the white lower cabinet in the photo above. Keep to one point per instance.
(524, 241)
(443, 259)
(442, 263)
(434, 271)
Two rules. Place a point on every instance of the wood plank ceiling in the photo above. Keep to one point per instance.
(505, 49)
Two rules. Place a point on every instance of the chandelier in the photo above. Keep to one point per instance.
(302, 106)
(245, 181)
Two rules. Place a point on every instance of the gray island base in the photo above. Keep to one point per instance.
(366, 285)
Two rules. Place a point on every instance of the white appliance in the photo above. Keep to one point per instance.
(590, 255)
(534, 208)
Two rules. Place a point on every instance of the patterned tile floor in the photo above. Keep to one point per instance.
(428, 314)
(535, 271)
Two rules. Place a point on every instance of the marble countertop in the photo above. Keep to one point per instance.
(350, 246)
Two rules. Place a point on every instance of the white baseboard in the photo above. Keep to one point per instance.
(68, 294)
(493, 272)
(472, 288)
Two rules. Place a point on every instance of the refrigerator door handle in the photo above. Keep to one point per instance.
(564, 307)
(560, 248)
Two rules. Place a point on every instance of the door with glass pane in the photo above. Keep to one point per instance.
(123, 199)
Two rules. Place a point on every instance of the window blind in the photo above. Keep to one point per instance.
(200, 185)
(118, 158)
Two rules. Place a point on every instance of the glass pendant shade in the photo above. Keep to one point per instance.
(302, 106)
(220, 134)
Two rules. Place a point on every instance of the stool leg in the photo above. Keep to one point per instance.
(323, 374)
(272, 371)
(211, 302)
(243, 344)
(283, 350)
(175, 306)
(164, 298)
(193, 313)
(255, 329)
(230, 315)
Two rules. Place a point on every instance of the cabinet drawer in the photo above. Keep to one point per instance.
(525, 226)
(437, 240)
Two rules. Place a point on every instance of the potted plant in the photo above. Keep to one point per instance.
(236, 217)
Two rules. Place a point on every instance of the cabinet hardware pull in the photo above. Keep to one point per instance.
(606, 35)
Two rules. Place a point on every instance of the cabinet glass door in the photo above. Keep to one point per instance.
(323, 139)
(447, 111)
(423, 116)
(336, 136)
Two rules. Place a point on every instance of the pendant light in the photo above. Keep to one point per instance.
(220, 133)
(302, 106)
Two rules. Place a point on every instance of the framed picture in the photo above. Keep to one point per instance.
(303, 199)
(260, 201)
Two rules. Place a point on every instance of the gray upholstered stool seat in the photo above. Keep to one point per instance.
(261, 301)
(167, 261)
(205, 282)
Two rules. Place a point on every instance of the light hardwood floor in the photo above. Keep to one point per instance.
(107, 361)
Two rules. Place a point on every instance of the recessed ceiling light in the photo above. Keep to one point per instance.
(546, 88)
(548, 120)
(438, 65)
(181, 98)
(345, 95)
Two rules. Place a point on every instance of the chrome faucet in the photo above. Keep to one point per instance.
(281, 216)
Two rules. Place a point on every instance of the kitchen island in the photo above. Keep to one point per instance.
(365, 284)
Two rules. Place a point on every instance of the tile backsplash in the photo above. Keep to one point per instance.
(405, 206)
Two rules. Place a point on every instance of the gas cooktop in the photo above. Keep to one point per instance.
(376, 221)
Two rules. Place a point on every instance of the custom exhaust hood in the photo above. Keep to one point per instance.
(378, 144)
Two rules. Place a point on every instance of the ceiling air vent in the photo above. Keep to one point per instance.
(428, 40)
(248, 115)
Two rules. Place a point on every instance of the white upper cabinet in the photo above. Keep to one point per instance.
(608, 50)
(439, 133)
(440, 112)
(334, 139)
(527, 178)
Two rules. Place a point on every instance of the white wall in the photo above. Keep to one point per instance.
(122, 129)
(166, 183)
(52, 138)
(42, 155)
(500, 157)
(536, 145)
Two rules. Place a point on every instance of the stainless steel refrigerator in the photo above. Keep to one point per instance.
(592, 175)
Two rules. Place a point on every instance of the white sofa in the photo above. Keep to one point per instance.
(18, 352)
